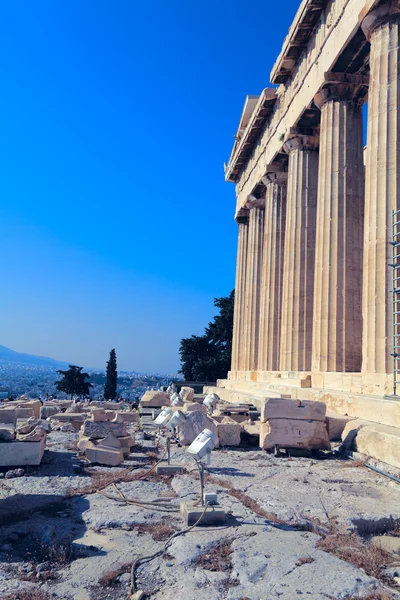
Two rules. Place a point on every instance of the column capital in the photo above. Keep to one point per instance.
(254, 202)
(242, 216)
(278, 177)
(299, 141)
(342, 87)
(383, 12)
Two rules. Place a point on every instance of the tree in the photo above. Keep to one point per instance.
(110, 388)
(208, 357)
(74, 382)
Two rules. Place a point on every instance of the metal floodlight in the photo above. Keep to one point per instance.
(163, 417)
(203, 445)
(177, 419)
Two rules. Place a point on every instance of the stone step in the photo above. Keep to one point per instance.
(380, 442)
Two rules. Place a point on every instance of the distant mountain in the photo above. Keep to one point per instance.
(10, 356)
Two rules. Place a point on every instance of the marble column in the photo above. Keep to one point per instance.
(272, 271)
(382, 184)
(238, 329)
(337, 323)
(251, 324)
(299, 254)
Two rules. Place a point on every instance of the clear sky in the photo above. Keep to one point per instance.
(116, 118)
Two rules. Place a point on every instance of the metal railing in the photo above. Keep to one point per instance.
(395, 265)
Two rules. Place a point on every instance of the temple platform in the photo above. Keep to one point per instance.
(378, 416)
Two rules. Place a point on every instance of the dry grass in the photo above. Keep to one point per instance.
(355, 464)
(110, 577)
(354, 550)
(99, 481)
(218, 558)
(244, 499)
(159, 531)
(28, 594)
(303, 560)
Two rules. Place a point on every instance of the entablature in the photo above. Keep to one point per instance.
(245, 141)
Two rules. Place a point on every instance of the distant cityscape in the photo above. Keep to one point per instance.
(24, 374)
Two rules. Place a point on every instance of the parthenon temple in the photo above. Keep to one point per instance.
(315, 306)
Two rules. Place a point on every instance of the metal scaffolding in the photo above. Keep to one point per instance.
(395, 265)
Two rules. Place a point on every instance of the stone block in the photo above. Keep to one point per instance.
(350, 431)
(48, 411)
(187, 394)
(293, 433)
(82, 443)
(99, 415)
(194, 424)
(283, 408)
(186, 407)
(335, 425)
(213, 516)
(8, 415)
(101, 430)
(155, 399)
(34, 436)
(110, 414)
(34, 405)
(103, 455)
(69, 417)
(380, 442)
(19, 454)
(7, 433)
(128, 417)
(229, 432)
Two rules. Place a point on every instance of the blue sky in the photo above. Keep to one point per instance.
(116, 117)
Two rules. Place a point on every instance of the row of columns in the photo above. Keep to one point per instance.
(312, 276)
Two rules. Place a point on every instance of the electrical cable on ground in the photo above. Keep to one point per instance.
(144, 559)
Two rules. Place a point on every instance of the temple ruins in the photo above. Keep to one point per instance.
(315, 311)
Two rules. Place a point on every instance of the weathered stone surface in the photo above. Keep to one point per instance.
(380, 442)
(17, 453)
(100, 430)
(194, 424)
(127, 417)
(191, 407)
(228, 432)
(155, 399)
(33, 405)
(187, 394)
(293, 433)
(69, 417)
(34, 436)
(282, 408)
(99, 415)
(389, 543)
(8, 415)
(49, 411)
(7, 433)
(68, 427)
(104, 455)
(335, 425)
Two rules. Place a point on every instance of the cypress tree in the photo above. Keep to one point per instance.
(110, 388)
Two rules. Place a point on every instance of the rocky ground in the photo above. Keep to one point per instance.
(298, 527)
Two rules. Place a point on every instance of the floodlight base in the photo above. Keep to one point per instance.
(213, 517)
(165, 469)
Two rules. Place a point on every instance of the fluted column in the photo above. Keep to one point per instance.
(272, 271)
(382, 184)
(251, 323)
(298, 277)
(238, 329)
(337, 323)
